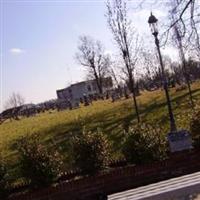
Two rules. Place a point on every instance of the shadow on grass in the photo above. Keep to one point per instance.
(113, 125)
(162, 103)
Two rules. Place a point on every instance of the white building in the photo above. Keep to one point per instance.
(76, 91)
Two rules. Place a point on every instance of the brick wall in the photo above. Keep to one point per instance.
(118, 179)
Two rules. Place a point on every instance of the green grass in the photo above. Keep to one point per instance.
(56, 128)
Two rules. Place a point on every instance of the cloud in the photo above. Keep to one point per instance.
(16, 51)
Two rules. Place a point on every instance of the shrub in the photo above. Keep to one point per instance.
(3, 181)
(144, 143)
(90, 152)
(195, 127)
(38, 165)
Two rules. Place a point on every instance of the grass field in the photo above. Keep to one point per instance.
(56, 128)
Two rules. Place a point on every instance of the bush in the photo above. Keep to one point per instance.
(3, 181)
(90, 152)
(144, 143)
(38, 165)
(195, 127)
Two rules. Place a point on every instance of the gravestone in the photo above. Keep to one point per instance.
(86, 101)
(179, 141)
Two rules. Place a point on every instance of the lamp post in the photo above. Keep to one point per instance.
(178, 140)
(153, 25)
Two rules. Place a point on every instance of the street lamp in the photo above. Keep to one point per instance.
(154, 29)
(178, 140)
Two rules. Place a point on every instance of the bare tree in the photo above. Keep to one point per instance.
(194, 36)
(126, 40)
(187, 10)
(150, 71)
(114, 75)
(187, 18)
(177, 72)
(13, 105)
(15, 100)
(92, 56)
(178, 37)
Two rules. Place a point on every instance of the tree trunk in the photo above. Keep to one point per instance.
(98, 81)
(132, 89)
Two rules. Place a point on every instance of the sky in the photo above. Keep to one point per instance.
(39, 40)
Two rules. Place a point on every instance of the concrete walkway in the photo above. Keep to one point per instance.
(182, 188)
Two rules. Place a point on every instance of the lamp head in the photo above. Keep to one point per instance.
(153, 24)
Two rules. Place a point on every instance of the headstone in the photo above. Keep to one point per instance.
(179, 141)
(86, 102)
(81, 100)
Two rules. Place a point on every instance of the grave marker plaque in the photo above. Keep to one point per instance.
(179, 140)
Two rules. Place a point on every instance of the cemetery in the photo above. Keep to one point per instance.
(125, 121)
(56, 129)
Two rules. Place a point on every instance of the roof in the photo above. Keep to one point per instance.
(82, 82)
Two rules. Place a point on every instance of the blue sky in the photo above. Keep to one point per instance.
(39, 41)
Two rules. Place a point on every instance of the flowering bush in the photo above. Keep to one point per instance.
(90, 152)
(38, 165)
(144, 143)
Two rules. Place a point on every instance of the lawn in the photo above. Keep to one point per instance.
(56, 128)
